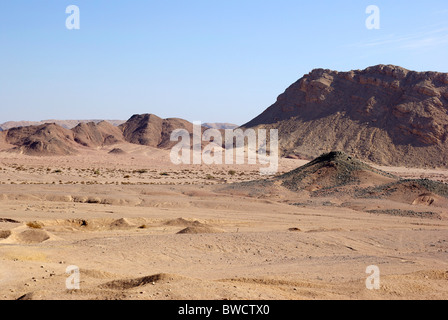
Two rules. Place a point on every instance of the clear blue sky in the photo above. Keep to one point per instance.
(212, 61)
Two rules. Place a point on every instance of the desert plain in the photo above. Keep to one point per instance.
(141, 228)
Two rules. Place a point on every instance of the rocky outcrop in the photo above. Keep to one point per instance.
(385, 114)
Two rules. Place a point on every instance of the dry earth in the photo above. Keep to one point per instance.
(139, 227)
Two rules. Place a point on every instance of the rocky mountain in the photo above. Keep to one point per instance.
(337, 176)
(385, 114)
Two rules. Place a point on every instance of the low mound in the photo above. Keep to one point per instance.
(87, 225)
(337, 174)
(117, 151)
(200, 229)
(181, 222)
(32, 236)
(125, 284)
(334, 169)
(122, 223)
(62, 225)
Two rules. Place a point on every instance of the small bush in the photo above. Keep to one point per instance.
(34, 225)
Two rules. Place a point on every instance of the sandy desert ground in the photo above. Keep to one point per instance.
(139, 227)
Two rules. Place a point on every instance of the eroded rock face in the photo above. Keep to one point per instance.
(385, 113)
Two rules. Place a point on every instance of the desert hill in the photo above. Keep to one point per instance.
(337, 173)
(150, 130)
(340, 178)
(52, 139)
(332, 170)
(46, 139)
(97, 135)
(67, 124)
(385, 114)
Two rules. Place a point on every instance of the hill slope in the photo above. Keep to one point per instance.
(52, 139)
(385, 114)
(150, 130)
(97, 135)
(46, 139)
(332, 170)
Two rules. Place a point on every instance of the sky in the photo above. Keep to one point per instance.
(200, 60)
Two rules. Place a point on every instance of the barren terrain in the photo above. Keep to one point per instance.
(139, 227)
